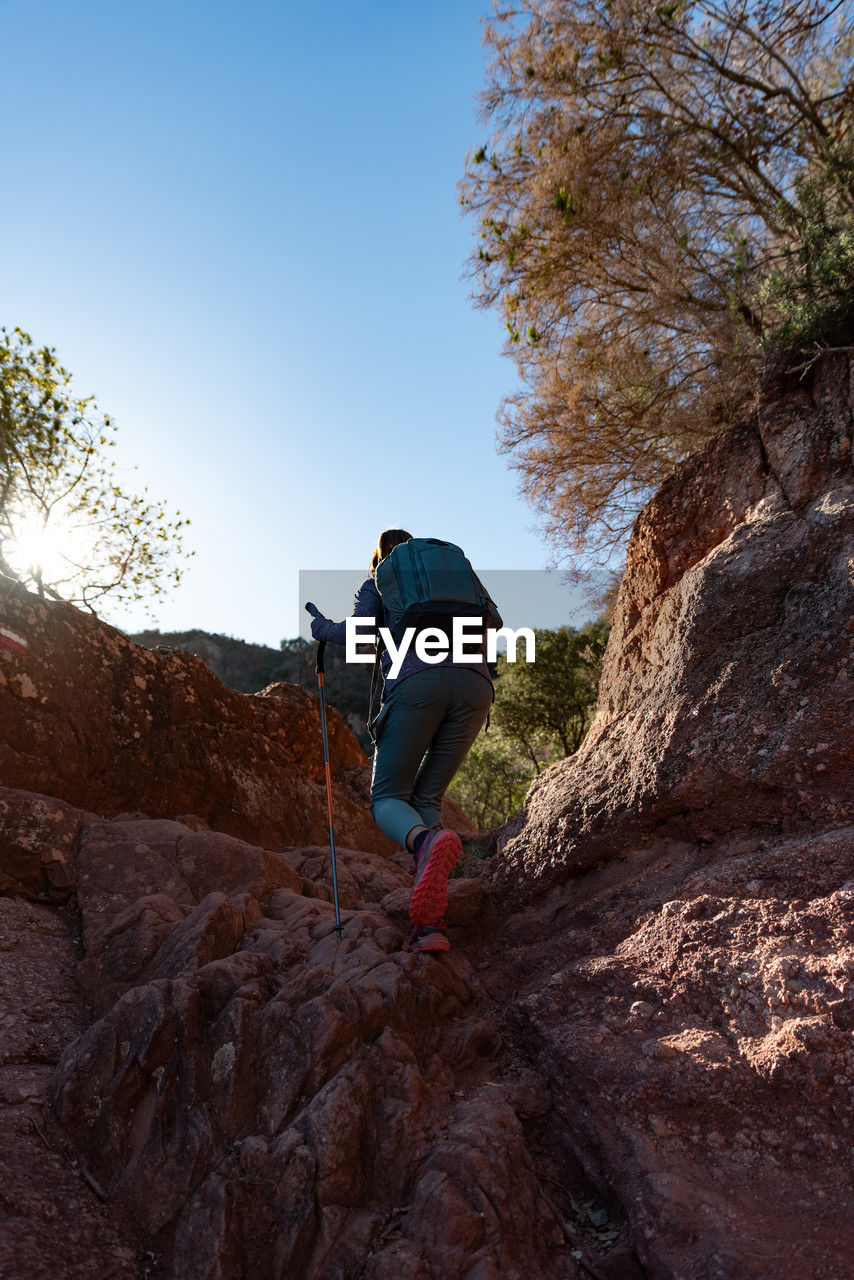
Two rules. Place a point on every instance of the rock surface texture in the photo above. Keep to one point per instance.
(727, 696)
(108, 725)
(256, 1097)
(636, 1061)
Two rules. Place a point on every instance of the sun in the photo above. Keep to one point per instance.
(46, 551)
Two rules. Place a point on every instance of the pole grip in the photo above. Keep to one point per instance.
(321, 644)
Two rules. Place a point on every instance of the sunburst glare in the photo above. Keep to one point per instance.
(48, 551)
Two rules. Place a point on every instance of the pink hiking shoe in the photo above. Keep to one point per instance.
(429, 937)
(434, 862)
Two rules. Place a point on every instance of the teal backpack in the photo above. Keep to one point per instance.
(426, 581)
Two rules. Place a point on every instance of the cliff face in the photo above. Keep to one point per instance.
(684, 971)
(636, 1060)
(249, 667)
(728, 685)
(240, 664)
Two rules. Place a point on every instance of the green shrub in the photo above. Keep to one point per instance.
(811, 288)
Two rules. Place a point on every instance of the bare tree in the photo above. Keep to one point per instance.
(638, 192)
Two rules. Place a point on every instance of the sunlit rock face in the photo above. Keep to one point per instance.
(728, 687)
(107, 725)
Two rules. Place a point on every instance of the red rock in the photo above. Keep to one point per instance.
(727, 694)
(637, 1063)
(38, 845)
(52, 1223)
(317, 1070)
(255, 1094)
(109, 726)
(717, 1120)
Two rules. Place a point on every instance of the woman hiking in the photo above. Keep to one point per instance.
(429, 716)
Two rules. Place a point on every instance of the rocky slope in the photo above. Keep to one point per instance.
(252, 1095)
(635, 1062)
(108, 725)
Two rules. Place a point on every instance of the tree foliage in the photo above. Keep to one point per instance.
(493, 781)
(810, 285)
(541, 714)
(659, 178)
(69, 528)
(544, 707)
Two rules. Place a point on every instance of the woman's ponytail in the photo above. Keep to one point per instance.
(388, 540)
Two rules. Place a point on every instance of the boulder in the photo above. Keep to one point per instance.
(727, 692)
(691, 1007)
(106, 725)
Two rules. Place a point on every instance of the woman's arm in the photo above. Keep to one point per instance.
(366, 604)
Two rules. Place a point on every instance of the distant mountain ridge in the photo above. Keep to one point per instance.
(240, 664)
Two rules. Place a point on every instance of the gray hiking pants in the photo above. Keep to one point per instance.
(423, 733)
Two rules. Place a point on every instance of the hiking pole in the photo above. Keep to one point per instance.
(321, 649)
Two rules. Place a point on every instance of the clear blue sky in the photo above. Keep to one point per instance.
(239, 227)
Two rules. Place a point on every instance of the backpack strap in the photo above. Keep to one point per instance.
(489, 712)
(375, 674)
